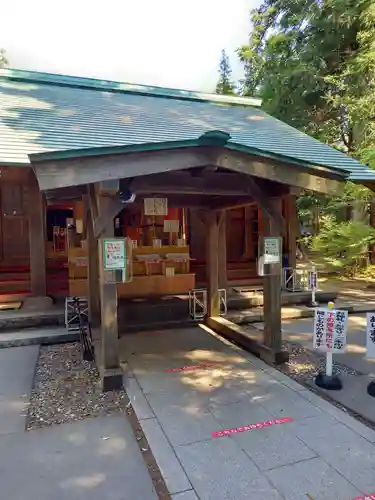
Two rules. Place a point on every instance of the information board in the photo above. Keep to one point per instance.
(272, 250)
(156, 206)
(330, 327)
(114, 254)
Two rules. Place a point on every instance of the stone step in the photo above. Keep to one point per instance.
(41, 336)
(21, 319)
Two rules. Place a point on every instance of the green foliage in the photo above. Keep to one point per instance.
(225, 84)
(313, 62)
(3, 59)
(342, 246)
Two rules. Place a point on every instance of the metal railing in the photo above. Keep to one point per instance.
(295, 280)
(198, 302)
(72, 320)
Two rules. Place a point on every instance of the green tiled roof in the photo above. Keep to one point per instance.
(40, 112)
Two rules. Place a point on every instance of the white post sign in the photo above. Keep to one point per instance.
(114, 254)
(370, 335)
(330, 327)
(272, 250)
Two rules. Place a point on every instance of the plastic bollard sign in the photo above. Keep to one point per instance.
(330, 327)
(369, 496)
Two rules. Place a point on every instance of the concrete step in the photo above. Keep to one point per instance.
(41, 336)
(17, 320)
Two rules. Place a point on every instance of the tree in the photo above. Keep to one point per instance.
(3, 59)
(224, 85)
(313, 64)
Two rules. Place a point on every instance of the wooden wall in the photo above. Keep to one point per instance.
(14, 220)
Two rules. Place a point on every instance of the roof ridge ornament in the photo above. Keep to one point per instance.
(214, 138)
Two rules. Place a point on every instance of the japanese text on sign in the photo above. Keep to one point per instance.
(370, 335)
(330, 330)
(156, 206)
(272, 250)
(114, 254)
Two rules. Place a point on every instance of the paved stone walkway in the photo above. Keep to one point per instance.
(96, 458)
(302, 448)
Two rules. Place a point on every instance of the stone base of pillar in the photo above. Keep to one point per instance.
(112, 380)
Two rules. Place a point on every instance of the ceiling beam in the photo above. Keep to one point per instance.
(288, 174)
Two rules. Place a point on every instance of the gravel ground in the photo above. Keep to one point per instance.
(67, 389)
(305, 365)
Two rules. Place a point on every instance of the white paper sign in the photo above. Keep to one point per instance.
(272, 253)
(114, 254)
(156, 206)
(370, 335)
(171, 226)
(330, 327)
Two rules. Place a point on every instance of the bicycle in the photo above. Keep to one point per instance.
(88, 352)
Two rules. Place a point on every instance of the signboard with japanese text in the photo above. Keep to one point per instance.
(171, 226)
(330, 327)
(313, 280)
(370, 335)
(156, 206)
(114, 254)
(272, 250)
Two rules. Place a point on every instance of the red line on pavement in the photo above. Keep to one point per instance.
(189, 367)
(251, 427)
(369, 496)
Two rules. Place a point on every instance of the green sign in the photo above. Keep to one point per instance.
(114, 254)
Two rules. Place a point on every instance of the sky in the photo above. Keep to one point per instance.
(156, 42)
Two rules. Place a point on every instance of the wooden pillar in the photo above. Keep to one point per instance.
(222, 235)
(111, 373)
(93, 294)
(292, 228)
(272, 292)
(37, 239)
(212, 232)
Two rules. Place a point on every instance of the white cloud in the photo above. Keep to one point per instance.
(165, 42)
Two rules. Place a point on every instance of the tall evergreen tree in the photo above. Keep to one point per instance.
(224, 85)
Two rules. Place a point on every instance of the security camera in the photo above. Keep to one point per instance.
(126, 196)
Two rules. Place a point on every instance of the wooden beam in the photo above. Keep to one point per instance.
(113, 207)
(212, 259)
(222, 250)
(37, 239)
(53, 174)
(111, 373)
(110, 208)
(292, 224)
(272, 290)
(92, 268)
(266, 206)
(282, 173)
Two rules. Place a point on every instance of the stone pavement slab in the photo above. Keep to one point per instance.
(96, 458)
(185, 495)
(17, 367)
(314, 478)
(219, 470)
(272, 462)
